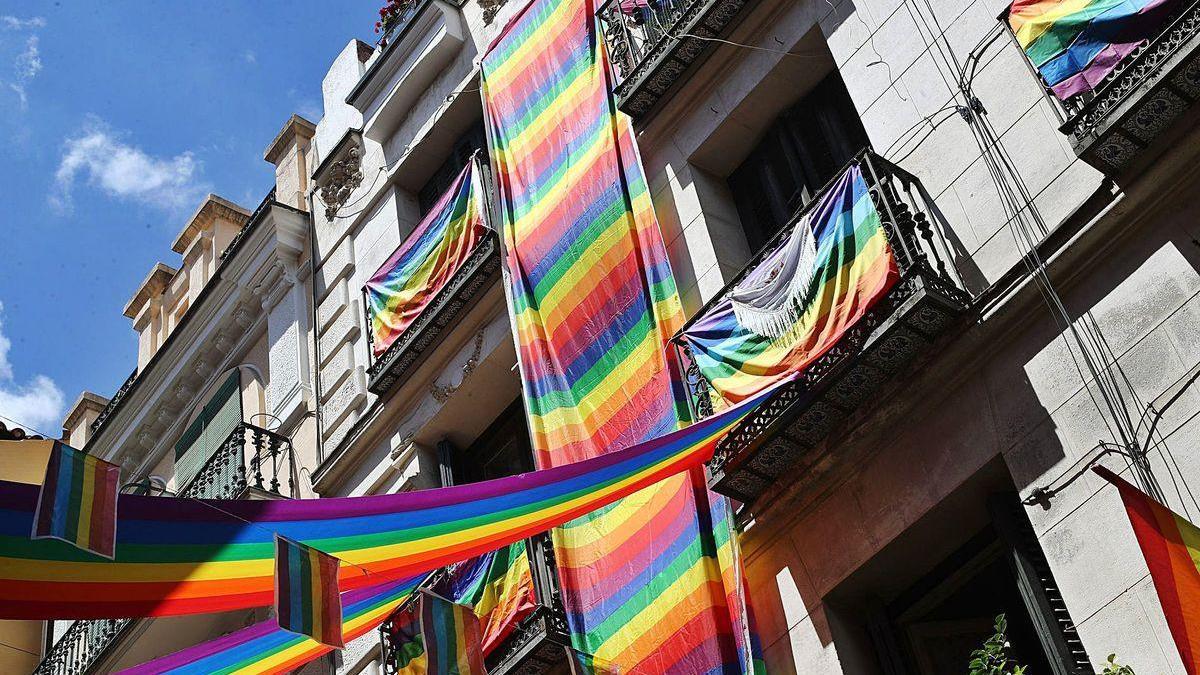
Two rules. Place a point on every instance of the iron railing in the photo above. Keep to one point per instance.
(925, 262)
(80, 648)
(250, 458)
(251, 224)
(525, 650)
(114, 403)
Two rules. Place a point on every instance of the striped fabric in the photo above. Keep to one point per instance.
(266, 649)
(306, 592)
(1075, 44)
(451, 635)
(427, 260)
(1171, 546)
(408, 647)
(498, 586)
(183, 556)
(594, 303)
(854, 269)
(77, 502)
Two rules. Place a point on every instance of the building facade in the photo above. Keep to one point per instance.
(920, 478)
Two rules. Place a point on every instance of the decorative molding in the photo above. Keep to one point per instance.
(442, 392)
(490, 9)
(340, 174)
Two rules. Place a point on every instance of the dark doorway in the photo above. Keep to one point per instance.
(502, 449)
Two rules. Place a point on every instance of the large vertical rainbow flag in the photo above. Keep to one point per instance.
(594, 303)
(1075, 44)
(427, 260)
(854, 268)
(1171, 546)
(77, 502)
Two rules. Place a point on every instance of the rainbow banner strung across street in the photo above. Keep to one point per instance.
(264, 648)
(427, 260)
(1075, 44)
(854, 268)
(1171, 546)
(78, 501)
(185, 556)
(307, 600)
(450, 633)
(498, 586)
(594, 303)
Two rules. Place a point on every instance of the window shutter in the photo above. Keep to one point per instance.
(204, 436)
(1042, 598)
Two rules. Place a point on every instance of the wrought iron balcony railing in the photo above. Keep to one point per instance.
(115, 402)
(250, 460)
(653, 43)
(79, 650)
(540, 640)
(1139, 101)
(784, 435)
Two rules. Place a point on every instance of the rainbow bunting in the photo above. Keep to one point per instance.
(1075, 44)
(450, 633)
(594, 302)
(183, 556)
(407, 646)
(306, 592)
(427, 260)
(853, 269)
(265, 649)
(1171, 546)
(77, 502)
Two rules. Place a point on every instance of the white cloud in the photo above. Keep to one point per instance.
(250, 57)
(38, 404)
(9, 22)
(99, 156)
(26, 66)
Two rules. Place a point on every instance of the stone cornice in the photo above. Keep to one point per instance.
(153, 285)
(212, 208)
(296, 126)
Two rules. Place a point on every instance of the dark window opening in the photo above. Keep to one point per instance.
(800, 152)
(474, 139)
(503, 449)
(933, 627)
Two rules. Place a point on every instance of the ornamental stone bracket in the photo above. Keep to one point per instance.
(340, 174)
(490, 9)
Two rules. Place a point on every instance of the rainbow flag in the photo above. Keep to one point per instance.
(77, 501)
(186, 556)
(306, 592)
(266, 649)
(594, 304)
(1075, 44)
(498, 586)
(1171, 546)
(450, 632)
(854, 268)
(427, 260)
(407, 646)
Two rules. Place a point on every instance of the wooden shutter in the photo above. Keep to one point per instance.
(204, 436)
(1047, 610)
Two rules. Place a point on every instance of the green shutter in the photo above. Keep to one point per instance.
(204, 436)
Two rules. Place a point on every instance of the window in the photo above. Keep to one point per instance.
(460, 153)
(933, 626)
(503, 449)
(204, 436)
(800, 152)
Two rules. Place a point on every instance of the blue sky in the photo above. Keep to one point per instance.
(115, 119)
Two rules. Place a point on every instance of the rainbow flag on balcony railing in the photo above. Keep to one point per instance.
(852, 269)
(1075, 44)
(427, 260)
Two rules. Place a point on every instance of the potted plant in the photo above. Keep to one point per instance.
(390, 16)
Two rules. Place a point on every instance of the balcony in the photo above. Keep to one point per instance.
(251, 463)
(540, 642)
(82, 646)
(653, 43)
(476, 275)
(785, 435)
(1115, 127)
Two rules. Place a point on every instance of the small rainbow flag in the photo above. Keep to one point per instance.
(408, 648)
(1171, 546)
(306, 592)
(451, 635)
(78, 501)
